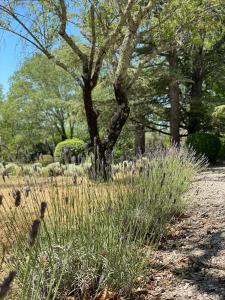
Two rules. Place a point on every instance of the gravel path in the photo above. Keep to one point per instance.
(190, 264)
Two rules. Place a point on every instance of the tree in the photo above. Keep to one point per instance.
(40, 82)
(189, 49)
(1, 93)
(106, 27)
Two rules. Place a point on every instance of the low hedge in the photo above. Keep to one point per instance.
(66, 150)
(206, 144)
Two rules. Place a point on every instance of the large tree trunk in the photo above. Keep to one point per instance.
(119, 118)
(103, 149)
(101, 165)
(174, 94)
(196, 110)
(139, 140)
(91, 114)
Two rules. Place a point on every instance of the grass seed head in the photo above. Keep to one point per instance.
(26, 190)
(34, 231)
(66, 199)
(5, 285)
(163, 179)
(43, 209)
(17, 197)
(1, 199)
(74, 180)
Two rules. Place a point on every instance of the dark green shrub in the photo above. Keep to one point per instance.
(221, 154)
(65, 150)
(205, 143)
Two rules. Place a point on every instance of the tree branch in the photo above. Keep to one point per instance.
(153, 128)
(93, 41)
(35, 42)
(62, 32)
(128, 42)
(110, 41)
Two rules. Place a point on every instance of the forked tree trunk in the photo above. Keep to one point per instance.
(71, 132)
(115, 127)
(91, 114)
(99, 164)
(102, 149)
(119, 117)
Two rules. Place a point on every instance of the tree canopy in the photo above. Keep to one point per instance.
(130, 65)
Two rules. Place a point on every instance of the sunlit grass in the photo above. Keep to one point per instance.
(92, 234)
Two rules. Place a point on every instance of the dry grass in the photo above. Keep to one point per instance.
(92, 234)
(55, 191)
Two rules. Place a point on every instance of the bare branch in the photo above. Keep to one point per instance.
(110, 41)
(33, 40)
(62, 32)
(17, 19)
(149, 126)
(93, 42)
(129, 41)
(21, 36)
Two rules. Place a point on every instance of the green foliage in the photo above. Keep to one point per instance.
(46, 160)
(20, 170)
(1, 93)
(41, 105)
(124, 147)
(167, 141)
(44, 99)
(68, 148)
(97, 231)
(218, 117)
(53, 169)
(206, 144)
(221, 154)
(11, 169)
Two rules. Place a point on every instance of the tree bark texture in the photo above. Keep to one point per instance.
(174, 94)
(139, 140)
(196, 110)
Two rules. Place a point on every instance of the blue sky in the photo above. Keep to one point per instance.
(12, 53)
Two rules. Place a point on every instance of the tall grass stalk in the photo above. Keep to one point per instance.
(91, 235)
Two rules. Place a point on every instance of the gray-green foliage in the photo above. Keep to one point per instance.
(92, 235)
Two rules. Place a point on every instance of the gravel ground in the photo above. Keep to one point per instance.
(190, 264)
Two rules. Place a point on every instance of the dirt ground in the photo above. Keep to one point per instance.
(190, 264)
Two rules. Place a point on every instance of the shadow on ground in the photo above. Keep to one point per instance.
(207, 270)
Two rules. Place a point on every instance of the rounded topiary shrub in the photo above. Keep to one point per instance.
(205, 143)
(69, 149)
